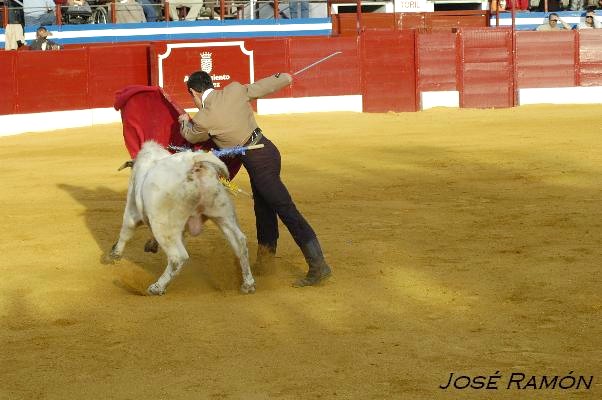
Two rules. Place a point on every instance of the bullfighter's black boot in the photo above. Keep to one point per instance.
(318, 269)
(265, 262)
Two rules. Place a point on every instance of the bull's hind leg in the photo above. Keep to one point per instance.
(131, 219)
(238, 242)
(172, 244)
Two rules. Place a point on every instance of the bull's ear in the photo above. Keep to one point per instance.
(127, 164)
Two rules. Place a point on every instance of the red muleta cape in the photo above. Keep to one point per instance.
(147, 113)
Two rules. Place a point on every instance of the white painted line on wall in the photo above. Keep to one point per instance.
(292, 105)
(49, 121)
(563, 95)
(450, 98)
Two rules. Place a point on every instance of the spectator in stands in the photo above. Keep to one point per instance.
(151, 9)
(76, 12)
(294, 8)
(553, 24)
(41, 41)
(194, 5)
(14, 36)
(553, 5)
(15, 11)
(590, 21)
(127, 11)
(519, 5)
(576, 5)
(39, 12)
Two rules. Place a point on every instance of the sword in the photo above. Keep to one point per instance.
(317, 62)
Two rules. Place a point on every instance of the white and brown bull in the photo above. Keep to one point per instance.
(168, 192)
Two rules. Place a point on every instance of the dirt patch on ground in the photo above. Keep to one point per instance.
(464, 241)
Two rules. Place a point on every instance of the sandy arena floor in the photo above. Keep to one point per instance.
(464, 241)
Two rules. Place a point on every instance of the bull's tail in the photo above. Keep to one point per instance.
(204, 167)
(210, 160)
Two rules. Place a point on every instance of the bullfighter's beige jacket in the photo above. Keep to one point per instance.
(227, 116)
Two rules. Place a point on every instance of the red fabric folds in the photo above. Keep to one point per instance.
(147, 113)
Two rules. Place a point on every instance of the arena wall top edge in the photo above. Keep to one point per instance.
(181, 30)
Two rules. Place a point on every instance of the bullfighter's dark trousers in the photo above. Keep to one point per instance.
(271, 198)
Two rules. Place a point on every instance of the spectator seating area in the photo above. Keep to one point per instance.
(529, 13)
(123, 11)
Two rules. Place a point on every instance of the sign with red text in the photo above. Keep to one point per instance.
(224, 61)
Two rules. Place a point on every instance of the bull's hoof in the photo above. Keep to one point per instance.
(247, 289)
(151, 246)
(155, 290)
(109, 259)
(112, 256)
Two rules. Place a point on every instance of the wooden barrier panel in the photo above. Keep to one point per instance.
(436, 61)
(347, 23)
(388, 71)
(546, 59)
(271, 56)
(70, 79)
(225, 61)
(8, 83)
(590, 58)
(229, 61)
(446, 20)
(112, 68)
(339, 75)
(486, 74)
(52, 80)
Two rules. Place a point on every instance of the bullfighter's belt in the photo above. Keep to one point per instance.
(255, 137)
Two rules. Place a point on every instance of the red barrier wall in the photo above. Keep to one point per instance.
(64, 86)
(338, 76)
(72, 79)
(227, 61)
(8, 83)
(486, 68)
(546, 59)
(347, 23)
(388, 68)
(436, 59)
(272, 55)
(388, 71)
(590, 58)
(111, 68)
(342, 72)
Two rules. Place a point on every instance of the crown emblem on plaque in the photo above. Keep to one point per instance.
(206, 61)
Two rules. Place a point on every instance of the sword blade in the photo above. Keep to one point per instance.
(317, 62)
